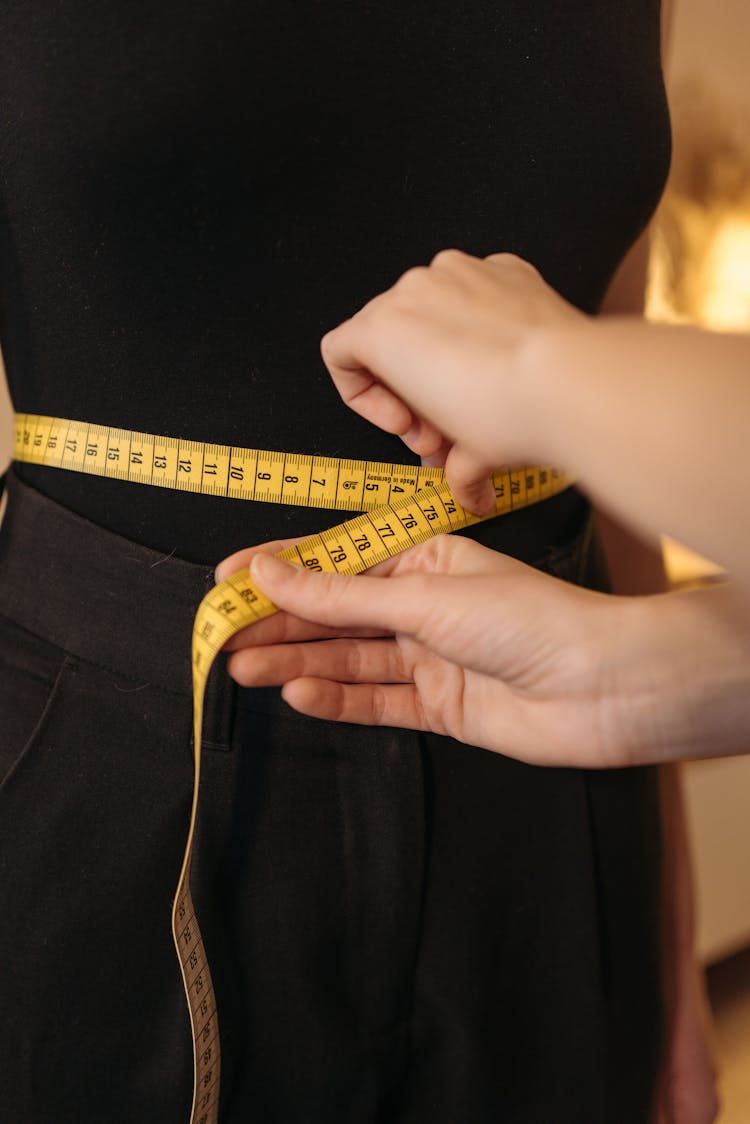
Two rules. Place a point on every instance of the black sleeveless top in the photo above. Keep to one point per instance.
(193, 192)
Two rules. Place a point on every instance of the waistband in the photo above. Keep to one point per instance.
(112, 602)
(95, 595)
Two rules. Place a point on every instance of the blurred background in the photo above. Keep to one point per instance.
(700, 273)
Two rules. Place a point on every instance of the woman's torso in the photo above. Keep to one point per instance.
(193, 193)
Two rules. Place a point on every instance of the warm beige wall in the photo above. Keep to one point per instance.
(711, 38)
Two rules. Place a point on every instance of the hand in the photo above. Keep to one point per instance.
(454, 638)
(440, 359)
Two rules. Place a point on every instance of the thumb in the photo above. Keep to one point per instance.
(340, 600)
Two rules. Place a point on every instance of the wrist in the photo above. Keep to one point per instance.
(545, 393)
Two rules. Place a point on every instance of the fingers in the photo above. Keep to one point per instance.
(240, 560)
(509, 264)
(438, 458)
(446, 555)
(349, 353)
(329, 599)
(363, 393)
(407, 360)
(345, 660)
(432, 591)
(424, 439)
(285, 628)
(362, 705)
(281, 627)
(470, 481)
(347, 349)
(405, 603)
(329, 606)
(360, 354)
(369, 398)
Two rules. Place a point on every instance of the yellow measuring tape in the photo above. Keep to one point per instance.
(402, 505)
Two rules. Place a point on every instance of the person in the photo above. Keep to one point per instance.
(482, 362)
(399, 929)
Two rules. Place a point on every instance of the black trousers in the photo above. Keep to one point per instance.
(402, 930)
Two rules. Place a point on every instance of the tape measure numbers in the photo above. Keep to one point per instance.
(245, 474)
(402, 506)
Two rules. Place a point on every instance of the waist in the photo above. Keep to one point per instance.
(204, 529)
(119, 604)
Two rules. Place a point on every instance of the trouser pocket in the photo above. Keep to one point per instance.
(93, 812)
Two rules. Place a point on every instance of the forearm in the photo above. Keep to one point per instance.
(653, 421)
(682, 675)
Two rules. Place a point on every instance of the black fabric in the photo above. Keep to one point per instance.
(402, 930)
(191, 193)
